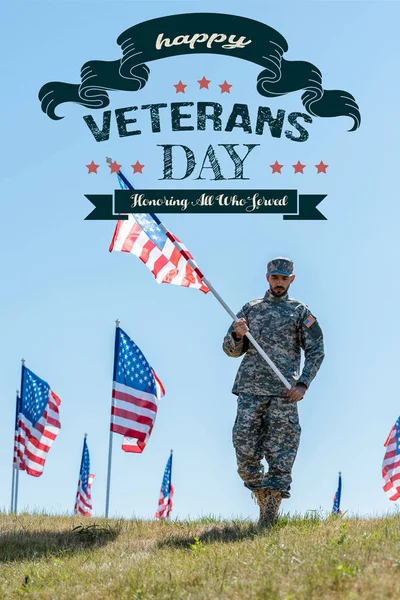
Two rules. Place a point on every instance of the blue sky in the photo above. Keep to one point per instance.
(62, 290)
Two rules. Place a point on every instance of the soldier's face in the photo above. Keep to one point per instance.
(279, 284)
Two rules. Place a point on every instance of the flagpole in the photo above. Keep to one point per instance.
(110, 441)
(19, 460)
(12, 484)
(170, 483)
(211, 288)
(14, 464)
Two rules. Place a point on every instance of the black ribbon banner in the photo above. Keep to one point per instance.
(205, 33)
(286, 202)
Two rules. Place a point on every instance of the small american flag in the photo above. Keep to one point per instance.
(166, 493)
(38, 423)
(336, 499)
(391, 463)
(309, 321)
(83, 501)
(136, 390)
(140, 235)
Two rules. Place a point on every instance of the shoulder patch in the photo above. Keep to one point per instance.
(310, 320)
(312, 326)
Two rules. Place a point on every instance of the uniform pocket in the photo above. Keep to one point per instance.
(294, 421)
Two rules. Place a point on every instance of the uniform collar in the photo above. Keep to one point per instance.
(271, 298)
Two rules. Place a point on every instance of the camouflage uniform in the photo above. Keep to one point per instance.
(267, 422)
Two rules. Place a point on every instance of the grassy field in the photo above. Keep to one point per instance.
(302, 558)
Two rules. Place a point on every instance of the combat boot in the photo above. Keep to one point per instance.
(260, 496)
(272, 503)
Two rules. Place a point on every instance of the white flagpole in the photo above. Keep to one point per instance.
(170, 483)
(14, 465)
(19, 460)
(110, 440)
(12, 488)
(213, 291)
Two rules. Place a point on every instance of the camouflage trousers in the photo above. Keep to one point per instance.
(266, 427)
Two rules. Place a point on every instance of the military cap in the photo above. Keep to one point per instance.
(280, 266)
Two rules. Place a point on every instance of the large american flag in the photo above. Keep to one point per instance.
(166, 493)
(83, 500)
(38, 423)
(140, 235)
(391, 463)
(136, 390)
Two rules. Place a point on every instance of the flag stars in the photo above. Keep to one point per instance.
(114, 167)
(180, 87)
(321, 167)
(298, 167)
(276, 168)
(137, 167)
(225, 87)
(92, 167)
(204, 83)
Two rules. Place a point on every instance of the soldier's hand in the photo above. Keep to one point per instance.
(296, 392)
(240, 327)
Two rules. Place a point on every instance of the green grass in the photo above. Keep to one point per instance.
(302, 558)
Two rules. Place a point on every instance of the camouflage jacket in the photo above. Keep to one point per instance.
(282, 326)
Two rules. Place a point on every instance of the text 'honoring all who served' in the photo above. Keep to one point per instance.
(195, 201)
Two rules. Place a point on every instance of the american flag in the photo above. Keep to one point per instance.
(166, 493)
(140, 235)
(136, 390)
(336, 499)
(83, 501)
(38, 423)
(391, 463)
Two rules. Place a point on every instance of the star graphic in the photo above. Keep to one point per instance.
(225, 87)
(92, 168)
(276, 167)
(180, 87)
(137, 167)
(115, 167)
(322, 167)
(298, 167)
(204, 83)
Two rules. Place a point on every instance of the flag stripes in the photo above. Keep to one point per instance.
(167, 263)
(142, 235)
(36, 432)
(136, 391)
(83, 500)
(391, 463)
(166, 492)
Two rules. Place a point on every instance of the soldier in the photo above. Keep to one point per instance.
(267, 422)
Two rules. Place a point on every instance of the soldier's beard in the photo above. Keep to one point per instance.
(278, 290)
